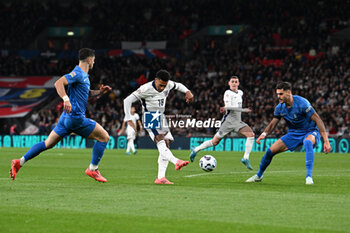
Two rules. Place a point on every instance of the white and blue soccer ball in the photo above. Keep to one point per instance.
(207, 163)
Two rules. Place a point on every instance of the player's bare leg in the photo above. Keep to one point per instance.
(276, 148)
(209, 143)
(102, 137)
(247, 132)
(35, 150)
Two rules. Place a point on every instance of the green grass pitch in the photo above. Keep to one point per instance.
(52, 194)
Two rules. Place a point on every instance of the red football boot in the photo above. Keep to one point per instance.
(95, 174)
(15, 166)
(180, 163)
(162, 181)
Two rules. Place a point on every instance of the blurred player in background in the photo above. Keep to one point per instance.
(73, 116)
(130, 131)
(153, 98)
(231, 121)
(304, 128)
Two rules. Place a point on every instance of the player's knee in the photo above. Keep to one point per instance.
(307, 143)
(159, 138)
(251, 135)
(215, 142)
(49, 145)
(105, 137)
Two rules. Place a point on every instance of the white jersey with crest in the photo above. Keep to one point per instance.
(151, 99)
(235, 100)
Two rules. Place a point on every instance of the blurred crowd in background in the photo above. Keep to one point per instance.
(154, 20)
(287, 41)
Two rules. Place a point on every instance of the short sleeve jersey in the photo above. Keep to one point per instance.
(78, 90)
(151, 99)
(233, 99)
(298, 116)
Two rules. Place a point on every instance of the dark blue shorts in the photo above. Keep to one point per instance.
(294, 139)
(74, 124)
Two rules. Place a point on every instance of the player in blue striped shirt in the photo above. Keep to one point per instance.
(305, 127)
(73, 117)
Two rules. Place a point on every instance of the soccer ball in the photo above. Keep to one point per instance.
(207, 163)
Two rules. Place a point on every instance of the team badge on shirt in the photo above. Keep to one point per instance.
(72, 74)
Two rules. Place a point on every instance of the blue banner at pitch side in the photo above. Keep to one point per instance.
(339, 145)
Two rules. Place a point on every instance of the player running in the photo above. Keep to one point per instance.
(73, 116)
(153, 98)
(231, 121)
(305, 127)
(130, 131)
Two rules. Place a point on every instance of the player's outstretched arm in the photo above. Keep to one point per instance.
(316, 118)
(237, 109)
(104, 89)
(189, 96)
(269, 128)
(59, 85)
(182, 88)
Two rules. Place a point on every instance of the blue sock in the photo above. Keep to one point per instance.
(265, 162)
(35, 150)
(97, 152)
(309, 157)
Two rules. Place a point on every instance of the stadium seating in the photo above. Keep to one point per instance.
(296, 49)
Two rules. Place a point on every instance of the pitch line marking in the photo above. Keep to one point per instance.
(246, 172)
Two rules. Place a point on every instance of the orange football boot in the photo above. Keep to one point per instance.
(15, 166)
(162, 181)
(180, 163)
(95, 174)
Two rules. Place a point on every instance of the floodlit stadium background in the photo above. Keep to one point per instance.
(201, 43)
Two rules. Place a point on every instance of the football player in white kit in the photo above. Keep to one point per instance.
(153, 98)
(130, 131)
(231, 122)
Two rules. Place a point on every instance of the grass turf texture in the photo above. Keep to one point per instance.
(52, 194)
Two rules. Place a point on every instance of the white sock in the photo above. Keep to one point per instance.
(248, 147)
(93, 167)
(22, 161)
(165, 152)
(128, 146)
(204, 145)
(162, 166)
(132, 145)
